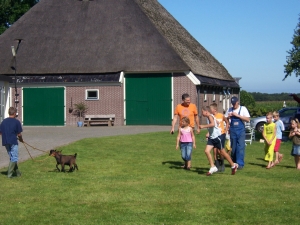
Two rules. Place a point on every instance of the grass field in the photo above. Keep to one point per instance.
(137, 179)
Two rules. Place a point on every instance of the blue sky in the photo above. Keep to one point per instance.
(250, 38)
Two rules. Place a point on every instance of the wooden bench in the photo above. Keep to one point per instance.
(99, 119)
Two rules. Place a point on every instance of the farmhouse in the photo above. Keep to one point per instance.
(130, 58)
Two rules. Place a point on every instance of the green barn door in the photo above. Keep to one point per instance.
(43, 106)
(148, 99)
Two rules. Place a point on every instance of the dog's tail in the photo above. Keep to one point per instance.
(75, 155)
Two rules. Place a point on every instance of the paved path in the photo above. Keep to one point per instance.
(46, 138)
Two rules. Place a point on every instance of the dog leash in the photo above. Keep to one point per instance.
(25, 143)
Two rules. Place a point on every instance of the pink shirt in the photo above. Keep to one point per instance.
(185, 135)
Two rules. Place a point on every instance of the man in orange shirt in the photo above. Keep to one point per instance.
(186, 109)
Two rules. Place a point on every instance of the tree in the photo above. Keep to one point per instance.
(247, 99)
(293, 59)
(12, 10)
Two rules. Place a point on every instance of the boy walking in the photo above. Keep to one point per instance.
(223, 125)
(279, 129)
(11, 129)
(214, 141)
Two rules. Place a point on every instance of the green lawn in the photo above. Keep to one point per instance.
(137, 179)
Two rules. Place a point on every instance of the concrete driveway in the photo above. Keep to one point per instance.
(46, 138)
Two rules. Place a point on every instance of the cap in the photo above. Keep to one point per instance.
(234, 100)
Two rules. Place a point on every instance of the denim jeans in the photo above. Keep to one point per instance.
(186, 150)
(237, 140)
(13, 152)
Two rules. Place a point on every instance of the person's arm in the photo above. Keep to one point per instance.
(296, 98)
(274, 135)
(211, 123)
(243, 118)
(20, 137)
(264, 135)
(178, 139)
(193, 138)
(227, 123)
(173, 124)
(197, 123)
(292, 133)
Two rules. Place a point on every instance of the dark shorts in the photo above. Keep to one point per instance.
(216, 142)
(223, 139)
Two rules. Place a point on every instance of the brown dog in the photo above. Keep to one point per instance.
(63, 160)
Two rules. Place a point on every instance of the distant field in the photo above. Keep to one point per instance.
(262, 107)
(276, 104)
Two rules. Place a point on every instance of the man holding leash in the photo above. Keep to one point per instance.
(11, 129)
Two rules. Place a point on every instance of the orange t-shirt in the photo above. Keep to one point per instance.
(184, 111)
(219, 117)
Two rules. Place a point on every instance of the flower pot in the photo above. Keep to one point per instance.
(79, 124)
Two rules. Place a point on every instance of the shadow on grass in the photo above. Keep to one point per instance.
(4, 173)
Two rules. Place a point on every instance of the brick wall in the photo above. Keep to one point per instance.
(110, 102)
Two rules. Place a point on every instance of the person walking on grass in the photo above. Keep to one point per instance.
(237, 115)
(186, 141)
(223, 125)
(214, 141)
(186, 109)
(295, 136)
(269, 134)
(279, 129)
(11, 129)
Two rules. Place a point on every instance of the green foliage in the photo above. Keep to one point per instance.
(80, 109)
(137, 179)
(293, 59)
(262, 108)
(247, 99)
(258, 96)
(12, 10)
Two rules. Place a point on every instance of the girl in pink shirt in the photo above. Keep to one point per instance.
(186, 139)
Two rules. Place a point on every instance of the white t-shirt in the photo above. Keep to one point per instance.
(244, 111)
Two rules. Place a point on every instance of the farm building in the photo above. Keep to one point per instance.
(130, 58)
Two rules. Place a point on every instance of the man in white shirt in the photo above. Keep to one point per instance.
(237, 115)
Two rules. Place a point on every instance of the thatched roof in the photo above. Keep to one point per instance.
(73, 36)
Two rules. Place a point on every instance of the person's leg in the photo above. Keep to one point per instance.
(13, 152)
(189, 150)
(183, 154)
(208, 155)
(227, 157)
(233, 144)
(298, 162)
(240, 150)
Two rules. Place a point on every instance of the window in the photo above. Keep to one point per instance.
(92, 94)
(205, 96)
(214, 96)
(221, 96)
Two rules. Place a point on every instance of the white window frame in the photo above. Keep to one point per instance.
(205, 96)
(90, 90)
(214, 96)
(221, 96)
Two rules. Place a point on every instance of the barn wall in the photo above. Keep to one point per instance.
(110, 102)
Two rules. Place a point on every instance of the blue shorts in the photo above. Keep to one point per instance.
(216, 142)
(186, 150)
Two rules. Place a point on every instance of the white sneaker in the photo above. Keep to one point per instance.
(212, 170)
